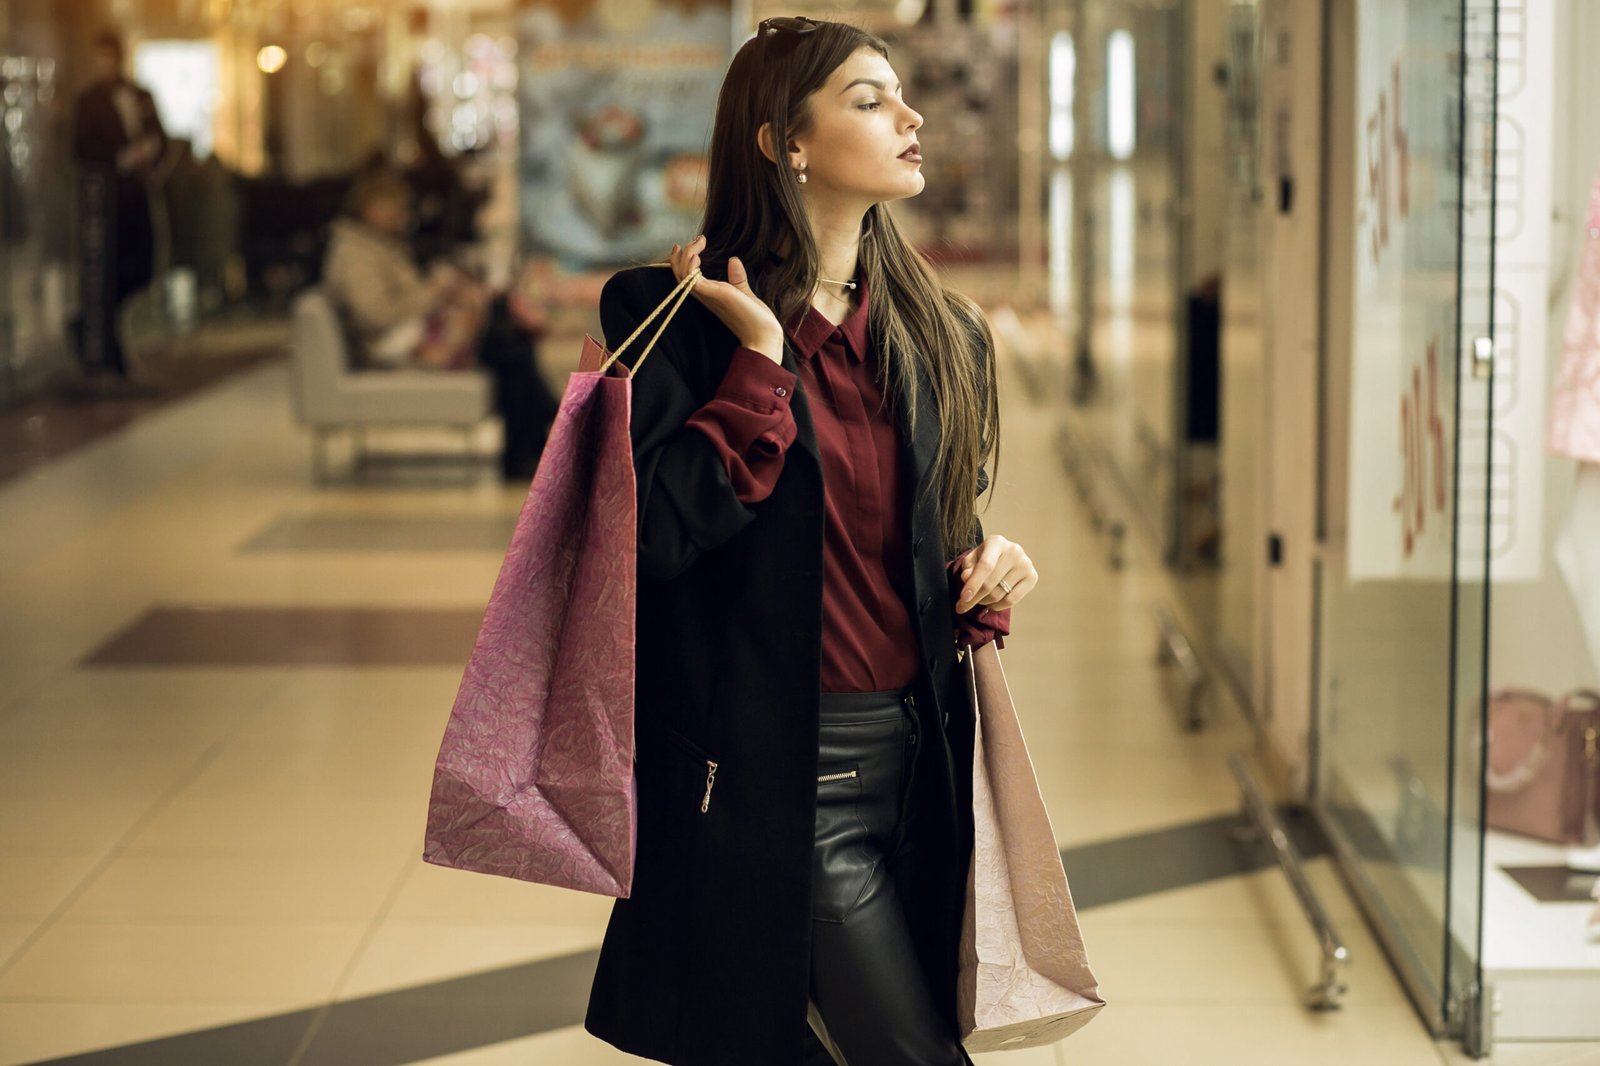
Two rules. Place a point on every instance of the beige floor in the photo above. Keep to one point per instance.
(187, 848)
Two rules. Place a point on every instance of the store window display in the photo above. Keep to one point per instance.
(1542, 856)
(1532, 790)
(1575, 433)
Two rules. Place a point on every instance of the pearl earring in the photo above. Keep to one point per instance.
(801, 176)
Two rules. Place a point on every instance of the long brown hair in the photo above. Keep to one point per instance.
(754, 207)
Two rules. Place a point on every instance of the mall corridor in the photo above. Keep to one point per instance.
(1296, 313)
(225, 689)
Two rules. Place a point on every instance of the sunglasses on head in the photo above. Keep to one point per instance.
(785, 24)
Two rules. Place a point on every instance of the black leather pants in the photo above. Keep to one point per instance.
(870, 1004)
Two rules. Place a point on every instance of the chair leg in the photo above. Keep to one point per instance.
(469, 456)
(319, 455)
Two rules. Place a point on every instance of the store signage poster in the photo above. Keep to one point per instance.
(1402, 401)
(617, 98)
(1411, 352)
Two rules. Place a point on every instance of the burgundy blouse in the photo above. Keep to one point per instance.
(869, 643)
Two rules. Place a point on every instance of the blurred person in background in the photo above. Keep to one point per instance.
(443, 319)
(119, 144)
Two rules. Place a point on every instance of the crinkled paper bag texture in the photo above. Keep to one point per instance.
(534, 778)
(1025, 978)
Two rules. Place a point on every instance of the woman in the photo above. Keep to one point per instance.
(445, 320)
(809, 439)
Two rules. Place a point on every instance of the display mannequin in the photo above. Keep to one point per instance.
(1575, 432)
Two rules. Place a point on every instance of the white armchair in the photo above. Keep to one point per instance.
(328, 395)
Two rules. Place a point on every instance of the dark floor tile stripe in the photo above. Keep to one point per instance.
(388, 1029)
(1177, 857)
(456, 1015)
(261, 1042)
(453, 1016)
(292, 636)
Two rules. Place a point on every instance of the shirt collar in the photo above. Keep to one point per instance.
(814, 330)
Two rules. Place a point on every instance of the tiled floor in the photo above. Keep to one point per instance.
(213, 859)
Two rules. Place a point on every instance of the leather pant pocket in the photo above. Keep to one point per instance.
(859, 779)
(842, 860)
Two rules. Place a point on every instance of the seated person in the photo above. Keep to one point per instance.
(399, 317)
(444, 320)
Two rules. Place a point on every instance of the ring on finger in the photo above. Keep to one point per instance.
(1006, 586)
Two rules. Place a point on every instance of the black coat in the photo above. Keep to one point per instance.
(708, 962)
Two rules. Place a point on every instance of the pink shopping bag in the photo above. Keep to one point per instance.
(534, 778)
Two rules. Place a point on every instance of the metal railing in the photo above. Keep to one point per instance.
(1262, 822)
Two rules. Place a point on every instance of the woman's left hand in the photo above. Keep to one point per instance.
(986, 566)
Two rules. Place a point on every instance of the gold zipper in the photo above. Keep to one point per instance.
(711, 782)
(840, 776)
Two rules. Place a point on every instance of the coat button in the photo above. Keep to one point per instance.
(781, 391)
(911, 739)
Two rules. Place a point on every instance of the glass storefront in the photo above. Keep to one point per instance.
(1457, 757)
(1451, 452)
(1541, 455)
(1403, 577)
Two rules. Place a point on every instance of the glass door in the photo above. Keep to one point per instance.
(1403, 587)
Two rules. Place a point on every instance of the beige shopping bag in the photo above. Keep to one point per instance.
(1025, 978)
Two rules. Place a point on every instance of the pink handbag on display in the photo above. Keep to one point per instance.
(534, 778)
(1025, 978)
(1543, 768)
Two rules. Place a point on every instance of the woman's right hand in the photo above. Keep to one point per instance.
(740, 309)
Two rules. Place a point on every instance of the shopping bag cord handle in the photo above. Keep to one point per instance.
(675, 298)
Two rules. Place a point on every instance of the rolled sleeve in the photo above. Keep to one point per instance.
(980, 624)
(750, 423)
